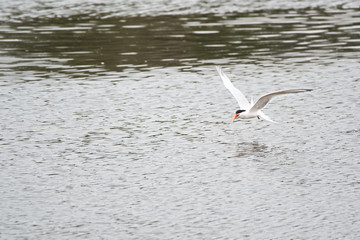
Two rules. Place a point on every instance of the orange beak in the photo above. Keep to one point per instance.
(236, 116)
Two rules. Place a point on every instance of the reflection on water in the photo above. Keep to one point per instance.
(144, 42)
(246, 149)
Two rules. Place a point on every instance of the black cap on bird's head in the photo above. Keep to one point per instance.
(237, 113)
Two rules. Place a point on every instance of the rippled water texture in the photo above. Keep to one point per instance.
(115, 125)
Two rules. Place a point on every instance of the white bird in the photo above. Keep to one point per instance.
(250, 110)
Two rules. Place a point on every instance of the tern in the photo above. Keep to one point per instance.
(250, 110)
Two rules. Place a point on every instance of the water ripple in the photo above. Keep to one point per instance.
(114, 125)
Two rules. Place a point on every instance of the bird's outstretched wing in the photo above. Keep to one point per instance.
(261, 103)
(242, 101)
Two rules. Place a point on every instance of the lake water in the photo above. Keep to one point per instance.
(115, 125)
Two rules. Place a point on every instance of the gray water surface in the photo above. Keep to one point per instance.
(117, 126)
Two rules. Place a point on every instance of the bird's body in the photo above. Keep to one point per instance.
(247, 114)
(251, 110)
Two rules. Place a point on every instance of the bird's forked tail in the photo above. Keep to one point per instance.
(263, 116)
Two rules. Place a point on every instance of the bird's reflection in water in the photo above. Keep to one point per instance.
(254, 148)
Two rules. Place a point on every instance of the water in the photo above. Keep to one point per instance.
(115, 125)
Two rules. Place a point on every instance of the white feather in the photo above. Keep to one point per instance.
(242, 101)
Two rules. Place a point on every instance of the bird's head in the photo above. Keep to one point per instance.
(237, 114)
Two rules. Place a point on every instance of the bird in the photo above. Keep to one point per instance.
(249, 109)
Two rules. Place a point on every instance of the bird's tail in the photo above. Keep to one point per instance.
(263, 116)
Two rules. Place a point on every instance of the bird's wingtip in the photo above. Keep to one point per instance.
(218, 69)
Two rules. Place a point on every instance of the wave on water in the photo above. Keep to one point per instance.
(18, 10)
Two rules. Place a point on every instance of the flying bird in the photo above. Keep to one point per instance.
(250, 110)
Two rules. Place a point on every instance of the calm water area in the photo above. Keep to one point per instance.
(114, 123)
